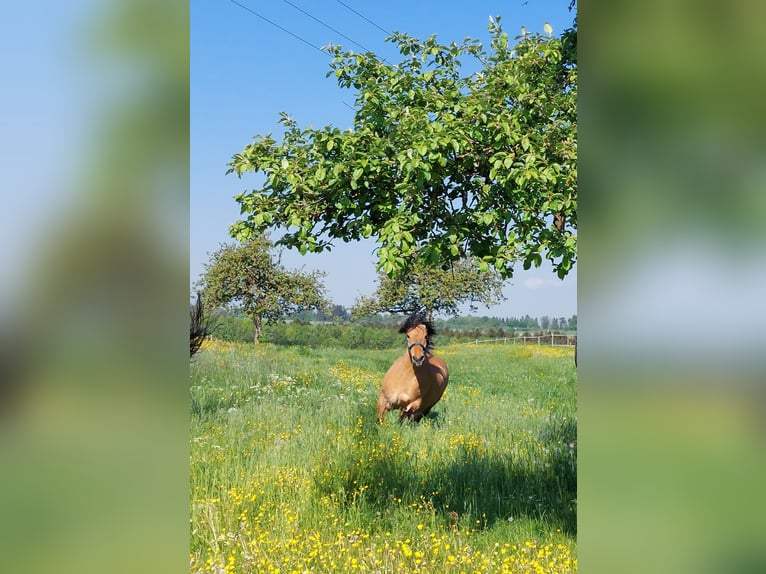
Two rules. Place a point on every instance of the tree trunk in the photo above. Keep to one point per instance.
(257, 328)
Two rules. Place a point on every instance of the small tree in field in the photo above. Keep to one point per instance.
(433, 290)
(246, 276)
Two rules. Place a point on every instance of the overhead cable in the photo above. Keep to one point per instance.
(325, 25)
(365, 18)
(278, 26)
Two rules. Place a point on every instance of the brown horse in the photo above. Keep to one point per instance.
(416, 381)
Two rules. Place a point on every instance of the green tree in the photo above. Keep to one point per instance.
(339, 313)
(433, 290)
(439, 165)
(246, 276)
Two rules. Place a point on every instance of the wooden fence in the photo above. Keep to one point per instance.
(557, 340)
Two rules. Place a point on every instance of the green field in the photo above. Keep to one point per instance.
(290, 473)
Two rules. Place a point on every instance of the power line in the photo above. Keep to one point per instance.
(325, 25)
(278, 26)
(365, 18)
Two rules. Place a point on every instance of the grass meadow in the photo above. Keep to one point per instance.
(290, 473)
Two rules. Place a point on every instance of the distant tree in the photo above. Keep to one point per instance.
(545, 322)
(301, 316)
(340, 313)
(320, 315)
(572, 324)
(432, 290)
(246, 276)
(529, 323)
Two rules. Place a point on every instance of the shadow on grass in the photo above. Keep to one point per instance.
(538, 482)
(491, 487)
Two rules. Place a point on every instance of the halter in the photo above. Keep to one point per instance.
(416, 344)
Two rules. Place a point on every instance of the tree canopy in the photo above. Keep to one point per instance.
(433, 290)
(440, 164)
(246, 276)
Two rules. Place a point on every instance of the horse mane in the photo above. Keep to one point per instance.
(418, 319)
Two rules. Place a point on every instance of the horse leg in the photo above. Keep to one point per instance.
(412, 412)
(383, 407)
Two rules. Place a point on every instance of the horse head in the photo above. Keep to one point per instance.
(419, 333)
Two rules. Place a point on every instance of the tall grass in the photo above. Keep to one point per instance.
(290, 473)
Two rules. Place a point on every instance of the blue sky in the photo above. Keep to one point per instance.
(245, 70)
